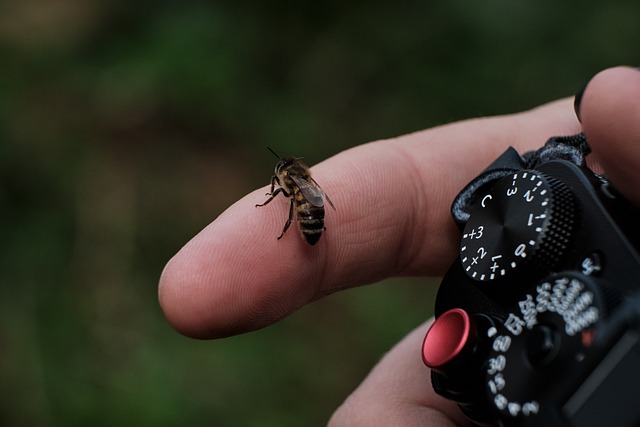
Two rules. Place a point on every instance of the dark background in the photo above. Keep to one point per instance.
(126, 127)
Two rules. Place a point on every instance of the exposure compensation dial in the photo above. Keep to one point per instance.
(525, 220)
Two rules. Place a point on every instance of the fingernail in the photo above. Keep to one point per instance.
(576, 102)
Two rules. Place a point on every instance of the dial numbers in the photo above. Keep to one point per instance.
(507, 226)
(550, 328)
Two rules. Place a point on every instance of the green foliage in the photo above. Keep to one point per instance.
(122, 125)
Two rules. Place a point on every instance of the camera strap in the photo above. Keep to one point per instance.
(572, 148)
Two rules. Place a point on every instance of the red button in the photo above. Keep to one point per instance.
(447, 338)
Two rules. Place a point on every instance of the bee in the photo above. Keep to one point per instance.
(305, 194)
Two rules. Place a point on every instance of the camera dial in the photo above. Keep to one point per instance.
(543, 337)
(526, 219)
(538, 320)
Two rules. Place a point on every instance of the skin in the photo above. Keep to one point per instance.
(231, 278)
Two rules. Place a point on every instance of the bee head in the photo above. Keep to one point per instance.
(284, 163)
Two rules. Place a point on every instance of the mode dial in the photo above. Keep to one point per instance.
(545, 336)
(525, 219)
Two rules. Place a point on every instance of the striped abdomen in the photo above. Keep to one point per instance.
(310, 218)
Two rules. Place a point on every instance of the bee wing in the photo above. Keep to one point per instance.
(324, 194)
(312, 192)
(329, 200)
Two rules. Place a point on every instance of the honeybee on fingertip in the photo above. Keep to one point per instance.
(306, 197)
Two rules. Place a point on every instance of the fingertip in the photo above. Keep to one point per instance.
(186, 294)
(610, 114)
(226, 280)
(613, 91)
(171, 296)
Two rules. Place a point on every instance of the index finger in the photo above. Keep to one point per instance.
(392, 218)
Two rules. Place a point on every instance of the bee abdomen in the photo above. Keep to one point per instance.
(311, 220)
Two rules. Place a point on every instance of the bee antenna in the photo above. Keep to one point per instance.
(274, 153)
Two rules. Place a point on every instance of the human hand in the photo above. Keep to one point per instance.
(234, 275)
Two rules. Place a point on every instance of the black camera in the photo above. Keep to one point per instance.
(538, 320)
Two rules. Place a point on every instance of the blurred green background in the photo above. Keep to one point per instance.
(126, 127)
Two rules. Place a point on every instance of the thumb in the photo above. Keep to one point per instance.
(609, 110)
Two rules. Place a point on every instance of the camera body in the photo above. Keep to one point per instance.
(538, 320)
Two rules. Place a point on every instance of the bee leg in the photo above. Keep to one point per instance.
(288, 223)
(274, 194)
(274, 179)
